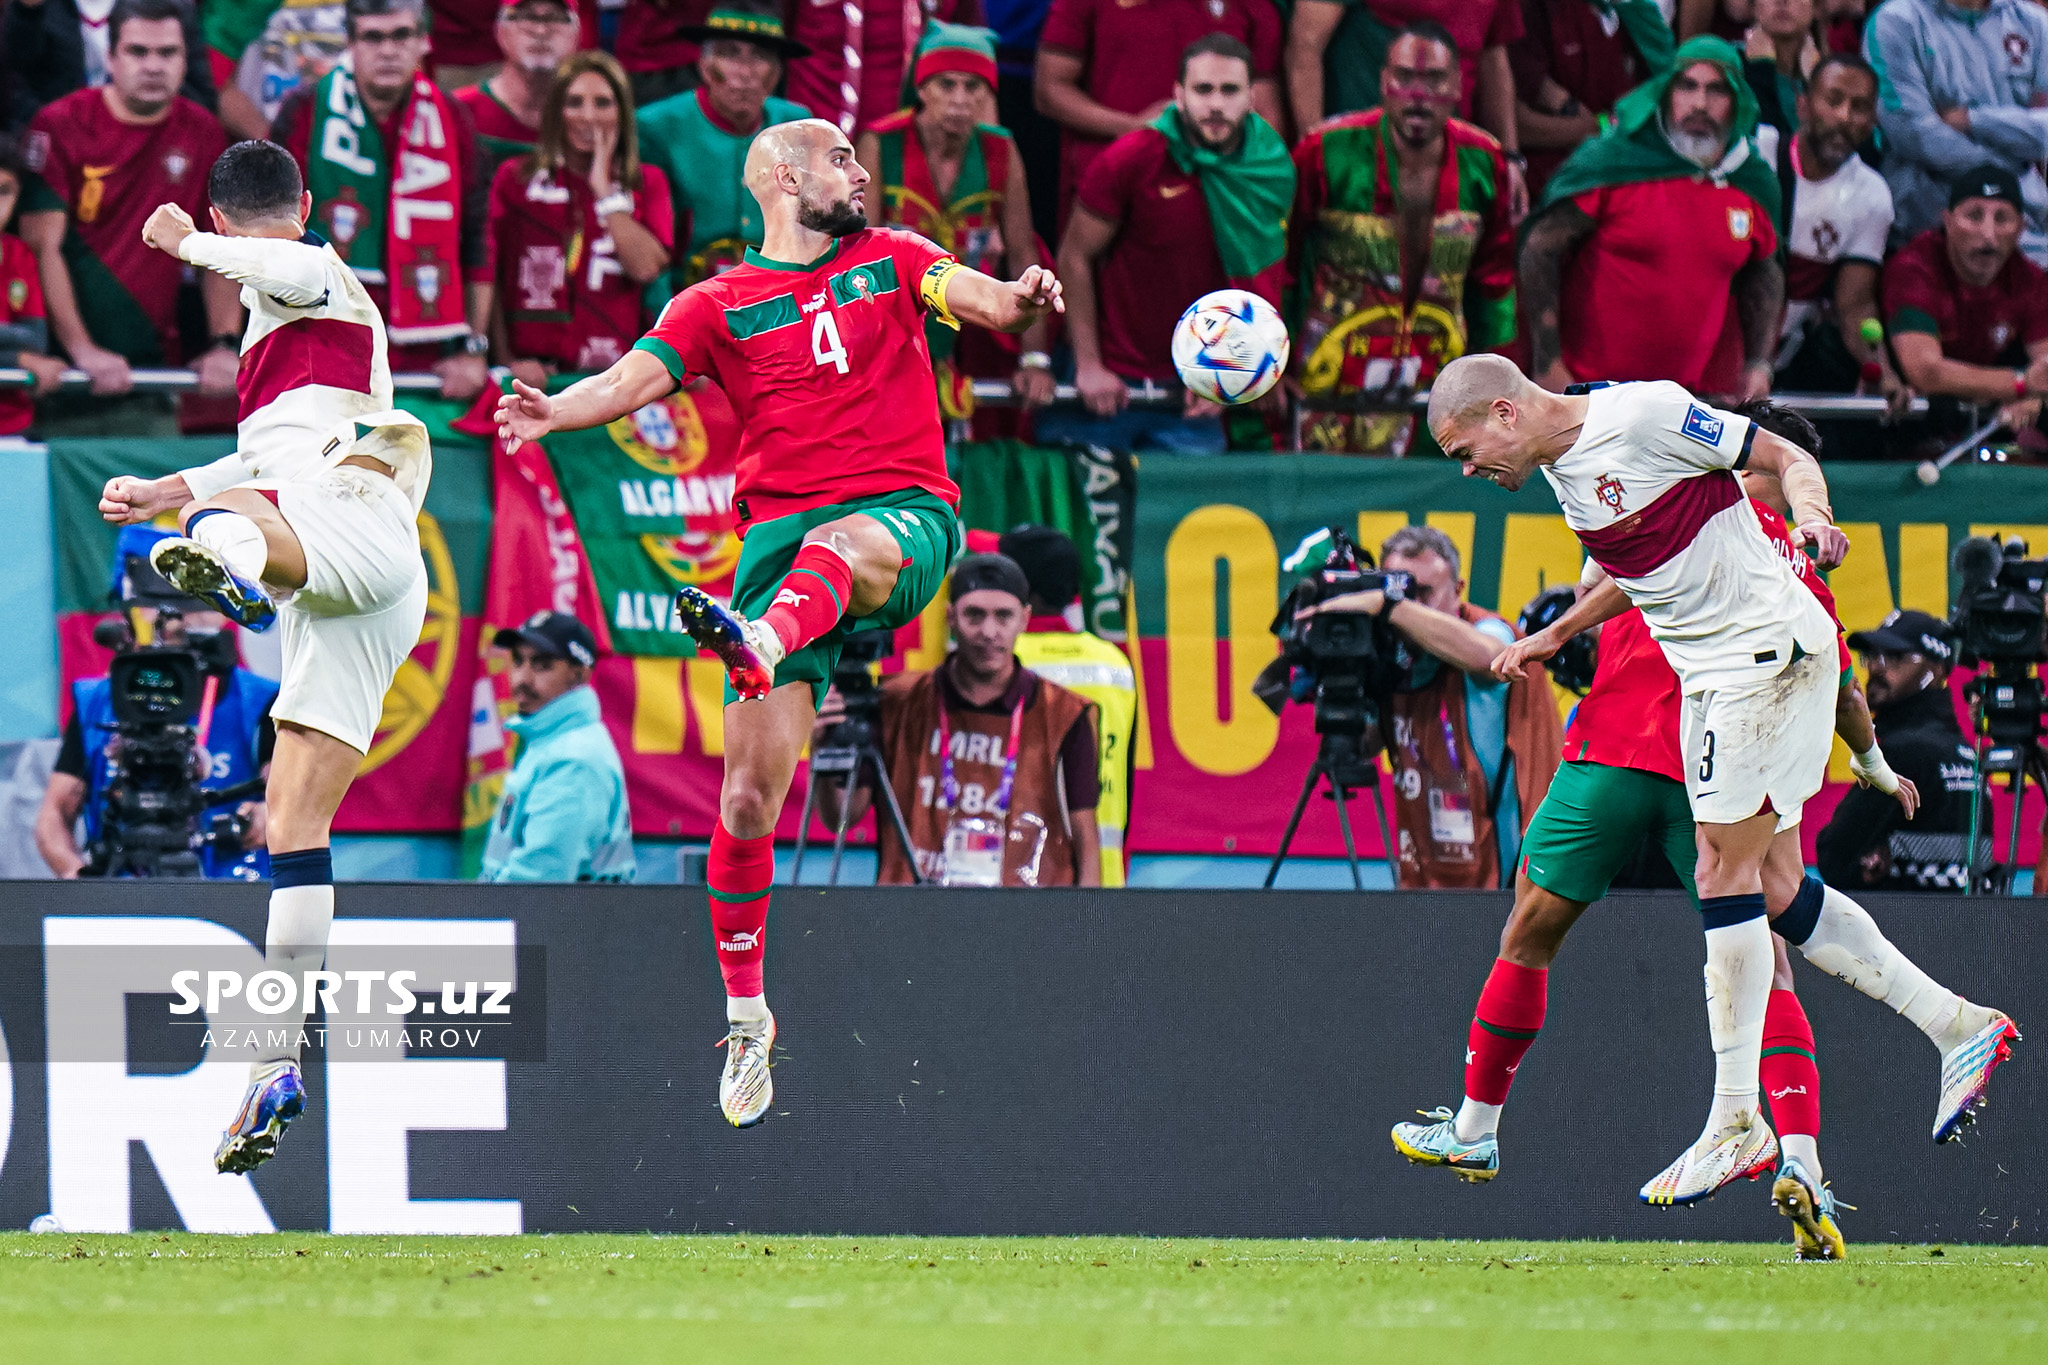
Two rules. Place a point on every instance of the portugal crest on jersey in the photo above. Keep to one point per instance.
(1608, 490)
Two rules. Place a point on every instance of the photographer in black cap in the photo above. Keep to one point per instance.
(1868, 845)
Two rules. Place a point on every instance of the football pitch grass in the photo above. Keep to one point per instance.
(297, 1298)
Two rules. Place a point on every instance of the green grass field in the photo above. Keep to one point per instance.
(310, 1298)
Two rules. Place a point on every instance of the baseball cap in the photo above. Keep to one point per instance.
(1908, 632)
(552, 632)
(1988, 181)
(975, 573)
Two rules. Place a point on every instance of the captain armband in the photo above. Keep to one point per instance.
(932, 289)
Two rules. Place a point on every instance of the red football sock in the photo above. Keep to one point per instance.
(739, 875)
(811, 597)
(1789, 1074)
(1509, 1016)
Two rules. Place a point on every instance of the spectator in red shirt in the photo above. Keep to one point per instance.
(578, 228)
(535, 35)
(1143, 245)
(1968, 314)
(1107, 67)
(1575, 58)
(421, 254)
(103, 160)
(49, 48)
(24, 334)
(1655, 253)
(1335, 49)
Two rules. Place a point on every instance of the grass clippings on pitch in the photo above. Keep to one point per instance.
(305, 1298)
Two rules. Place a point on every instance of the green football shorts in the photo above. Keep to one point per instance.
(1594, 818)
(926, 530)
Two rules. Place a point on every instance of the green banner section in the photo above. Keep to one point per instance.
(1083, 491)
(458, 503)
(654, 511)
(1210, 532)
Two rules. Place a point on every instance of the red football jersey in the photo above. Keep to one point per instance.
(826, 367)
(21, 299)
(1629, 719)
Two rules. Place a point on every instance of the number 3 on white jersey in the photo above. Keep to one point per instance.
(826, 348)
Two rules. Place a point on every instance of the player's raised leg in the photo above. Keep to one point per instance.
(1838, 936)
(310, 772)
(846, 567)
(236, 550)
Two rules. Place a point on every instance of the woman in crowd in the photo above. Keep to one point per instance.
(577, 229)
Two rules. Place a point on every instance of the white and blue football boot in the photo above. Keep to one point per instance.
(745, 1089)
(198, 572)
(276, 1096)
(1816, 1236)
(1966, 1075)
(1436, 1143)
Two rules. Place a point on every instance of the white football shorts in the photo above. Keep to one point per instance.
(358, 617)
(1760, 742)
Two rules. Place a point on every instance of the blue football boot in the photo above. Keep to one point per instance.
(275, 1098)
(1436, 1144)
(198, 572)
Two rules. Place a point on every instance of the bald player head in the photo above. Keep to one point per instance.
(1486, 414)
(804, 171)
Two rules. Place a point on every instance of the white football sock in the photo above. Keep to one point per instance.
(1847, 943)
(236, 539)
(1738, 976)
(295, 942)
(749, 1012)
(1806, 1148)
(1476, 1120)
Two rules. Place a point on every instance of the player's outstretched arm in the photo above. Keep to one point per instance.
(1867, 761)
(1806, 489)
(527, 414)
(127, 500)
(1002, 306)
(1602, 602)
(291, 272)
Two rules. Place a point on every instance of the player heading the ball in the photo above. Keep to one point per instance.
(847, 518)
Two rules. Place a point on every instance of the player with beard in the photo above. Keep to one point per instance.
(842, 500)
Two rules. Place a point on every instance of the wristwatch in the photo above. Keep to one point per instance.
(1034, 360)
(227, 340)
(476, 343)
(618, 201)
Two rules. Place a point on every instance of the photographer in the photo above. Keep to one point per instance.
(1472, 756)
(994, 766)
(236, 727)
(1869, 843)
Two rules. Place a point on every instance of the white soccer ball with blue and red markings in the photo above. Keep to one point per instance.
(1230, 346)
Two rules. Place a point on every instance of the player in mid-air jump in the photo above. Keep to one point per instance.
(1622, 784)
(846, 514)
(312, 523)
(1645, 474)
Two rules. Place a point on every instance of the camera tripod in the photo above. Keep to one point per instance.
(850, 749)
(1342, 761)
(2008, 704)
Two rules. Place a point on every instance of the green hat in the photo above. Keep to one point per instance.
(1642, 104)
(951, 47)
(763, 28)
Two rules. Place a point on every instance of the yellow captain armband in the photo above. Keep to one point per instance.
(933, 290)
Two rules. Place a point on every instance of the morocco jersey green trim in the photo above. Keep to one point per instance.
(769, 263)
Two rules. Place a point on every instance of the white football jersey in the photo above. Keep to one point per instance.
(1650, 490)
(315, 381)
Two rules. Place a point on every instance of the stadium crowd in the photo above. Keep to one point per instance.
(1740, 195)
(1744, 196)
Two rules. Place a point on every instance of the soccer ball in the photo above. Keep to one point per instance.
(1230, 346)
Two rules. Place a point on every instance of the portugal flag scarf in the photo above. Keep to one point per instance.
(1634, 150)
(404, 231)
(1248, 191)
